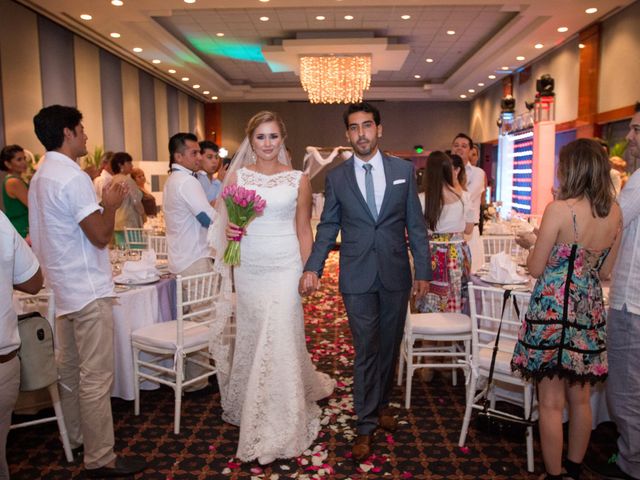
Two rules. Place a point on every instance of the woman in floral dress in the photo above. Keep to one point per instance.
(561, 344)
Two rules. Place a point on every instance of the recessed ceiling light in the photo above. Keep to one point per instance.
(348, 17)
(214, 98)
(185, 79)
(321, 17)
(581, 45)
(504, 68)
(86, 16)
(137, 49)
(520, 58)
(189, 1)
(264, 19)
(481, 84)
(206, 92)
(429, 60)
(416, 76)
(114, 35)
(451, 32)
(471, 90)
(117, 3)
(196, 86)
(563, 29)
(538, 46)
(591, 10)
(220, 34)
(492, 77)
(156, 61)
(264, 1)
(462, 95)
(171, 70)
(405, 17)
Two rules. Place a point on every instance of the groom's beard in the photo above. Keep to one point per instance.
(364, 147)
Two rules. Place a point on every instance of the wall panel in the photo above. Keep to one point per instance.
(88, 90)
(131, 110)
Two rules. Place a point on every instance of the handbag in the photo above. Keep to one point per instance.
(495, 421)
(37, 358)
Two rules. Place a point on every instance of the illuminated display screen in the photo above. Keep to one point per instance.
(522, 170)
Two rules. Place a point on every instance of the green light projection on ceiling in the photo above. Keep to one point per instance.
(248, 52)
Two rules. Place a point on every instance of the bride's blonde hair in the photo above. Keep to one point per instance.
(264, 117)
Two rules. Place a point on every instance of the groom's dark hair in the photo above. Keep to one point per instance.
(361, 107)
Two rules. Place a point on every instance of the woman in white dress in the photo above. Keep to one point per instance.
(448, 217)
(270, 387)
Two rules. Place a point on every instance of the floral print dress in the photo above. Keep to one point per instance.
(564, 332)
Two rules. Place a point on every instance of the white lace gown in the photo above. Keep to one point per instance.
(273, 385)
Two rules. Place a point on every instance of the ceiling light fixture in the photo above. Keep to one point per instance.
(538, 46)
(264, 19)
(189, 1)
(114, 35)
(451, 32)
(581, 45)
(196, 86)
(206, 92)
(321, 17)
(264, 1)
(504, 68)
(520, 58)
(417, 76)
(220, 34)
(214, 98)
(563, 29)
(117, 3)
(171, 70)
(429, 60)
(462, 95)
(405, 17)
(156, 61)
(185, 79)
(471, 90)
(492, 77)
(334, 79)
(481, 84)
(86, 16)
(348, 17)
(591, 10)
(137, 49)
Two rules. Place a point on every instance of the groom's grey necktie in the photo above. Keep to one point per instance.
(370, 193)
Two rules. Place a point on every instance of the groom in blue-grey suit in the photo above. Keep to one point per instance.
(372, 200)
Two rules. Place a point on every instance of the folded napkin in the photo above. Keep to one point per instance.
(503, 269)
(141, 271)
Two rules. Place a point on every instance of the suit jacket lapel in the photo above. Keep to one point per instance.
(353, 183)
(386, 164)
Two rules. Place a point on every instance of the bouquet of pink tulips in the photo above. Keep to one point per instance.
(242, 206)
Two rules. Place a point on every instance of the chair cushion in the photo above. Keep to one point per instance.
(440, 323)
(164, 335)
(503, 358)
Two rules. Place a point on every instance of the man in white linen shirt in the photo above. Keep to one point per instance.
(476, 184)
(623, 328)
(19, 269)
(187, 215)
(69, 234)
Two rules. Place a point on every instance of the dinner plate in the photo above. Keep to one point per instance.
(120, 281)
(488, 279)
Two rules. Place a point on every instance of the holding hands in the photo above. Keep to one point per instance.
(309, 283)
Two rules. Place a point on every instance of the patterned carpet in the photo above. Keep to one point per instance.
(424, 447)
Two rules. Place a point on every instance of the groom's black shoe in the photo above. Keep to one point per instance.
(387, 420)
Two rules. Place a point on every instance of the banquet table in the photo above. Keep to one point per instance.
(600, 411)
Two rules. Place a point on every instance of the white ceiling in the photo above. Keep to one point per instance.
(489, 34)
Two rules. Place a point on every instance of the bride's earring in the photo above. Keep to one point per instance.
(253, 156)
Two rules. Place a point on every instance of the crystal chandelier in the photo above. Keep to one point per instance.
(335, 79)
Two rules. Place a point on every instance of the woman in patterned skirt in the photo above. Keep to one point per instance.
(448, 217)
(561, 344)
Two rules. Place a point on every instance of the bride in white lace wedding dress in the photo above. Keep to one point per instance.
(272, 385)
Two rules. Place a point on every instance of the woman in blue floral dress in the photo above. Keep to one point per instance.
(561, 344)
